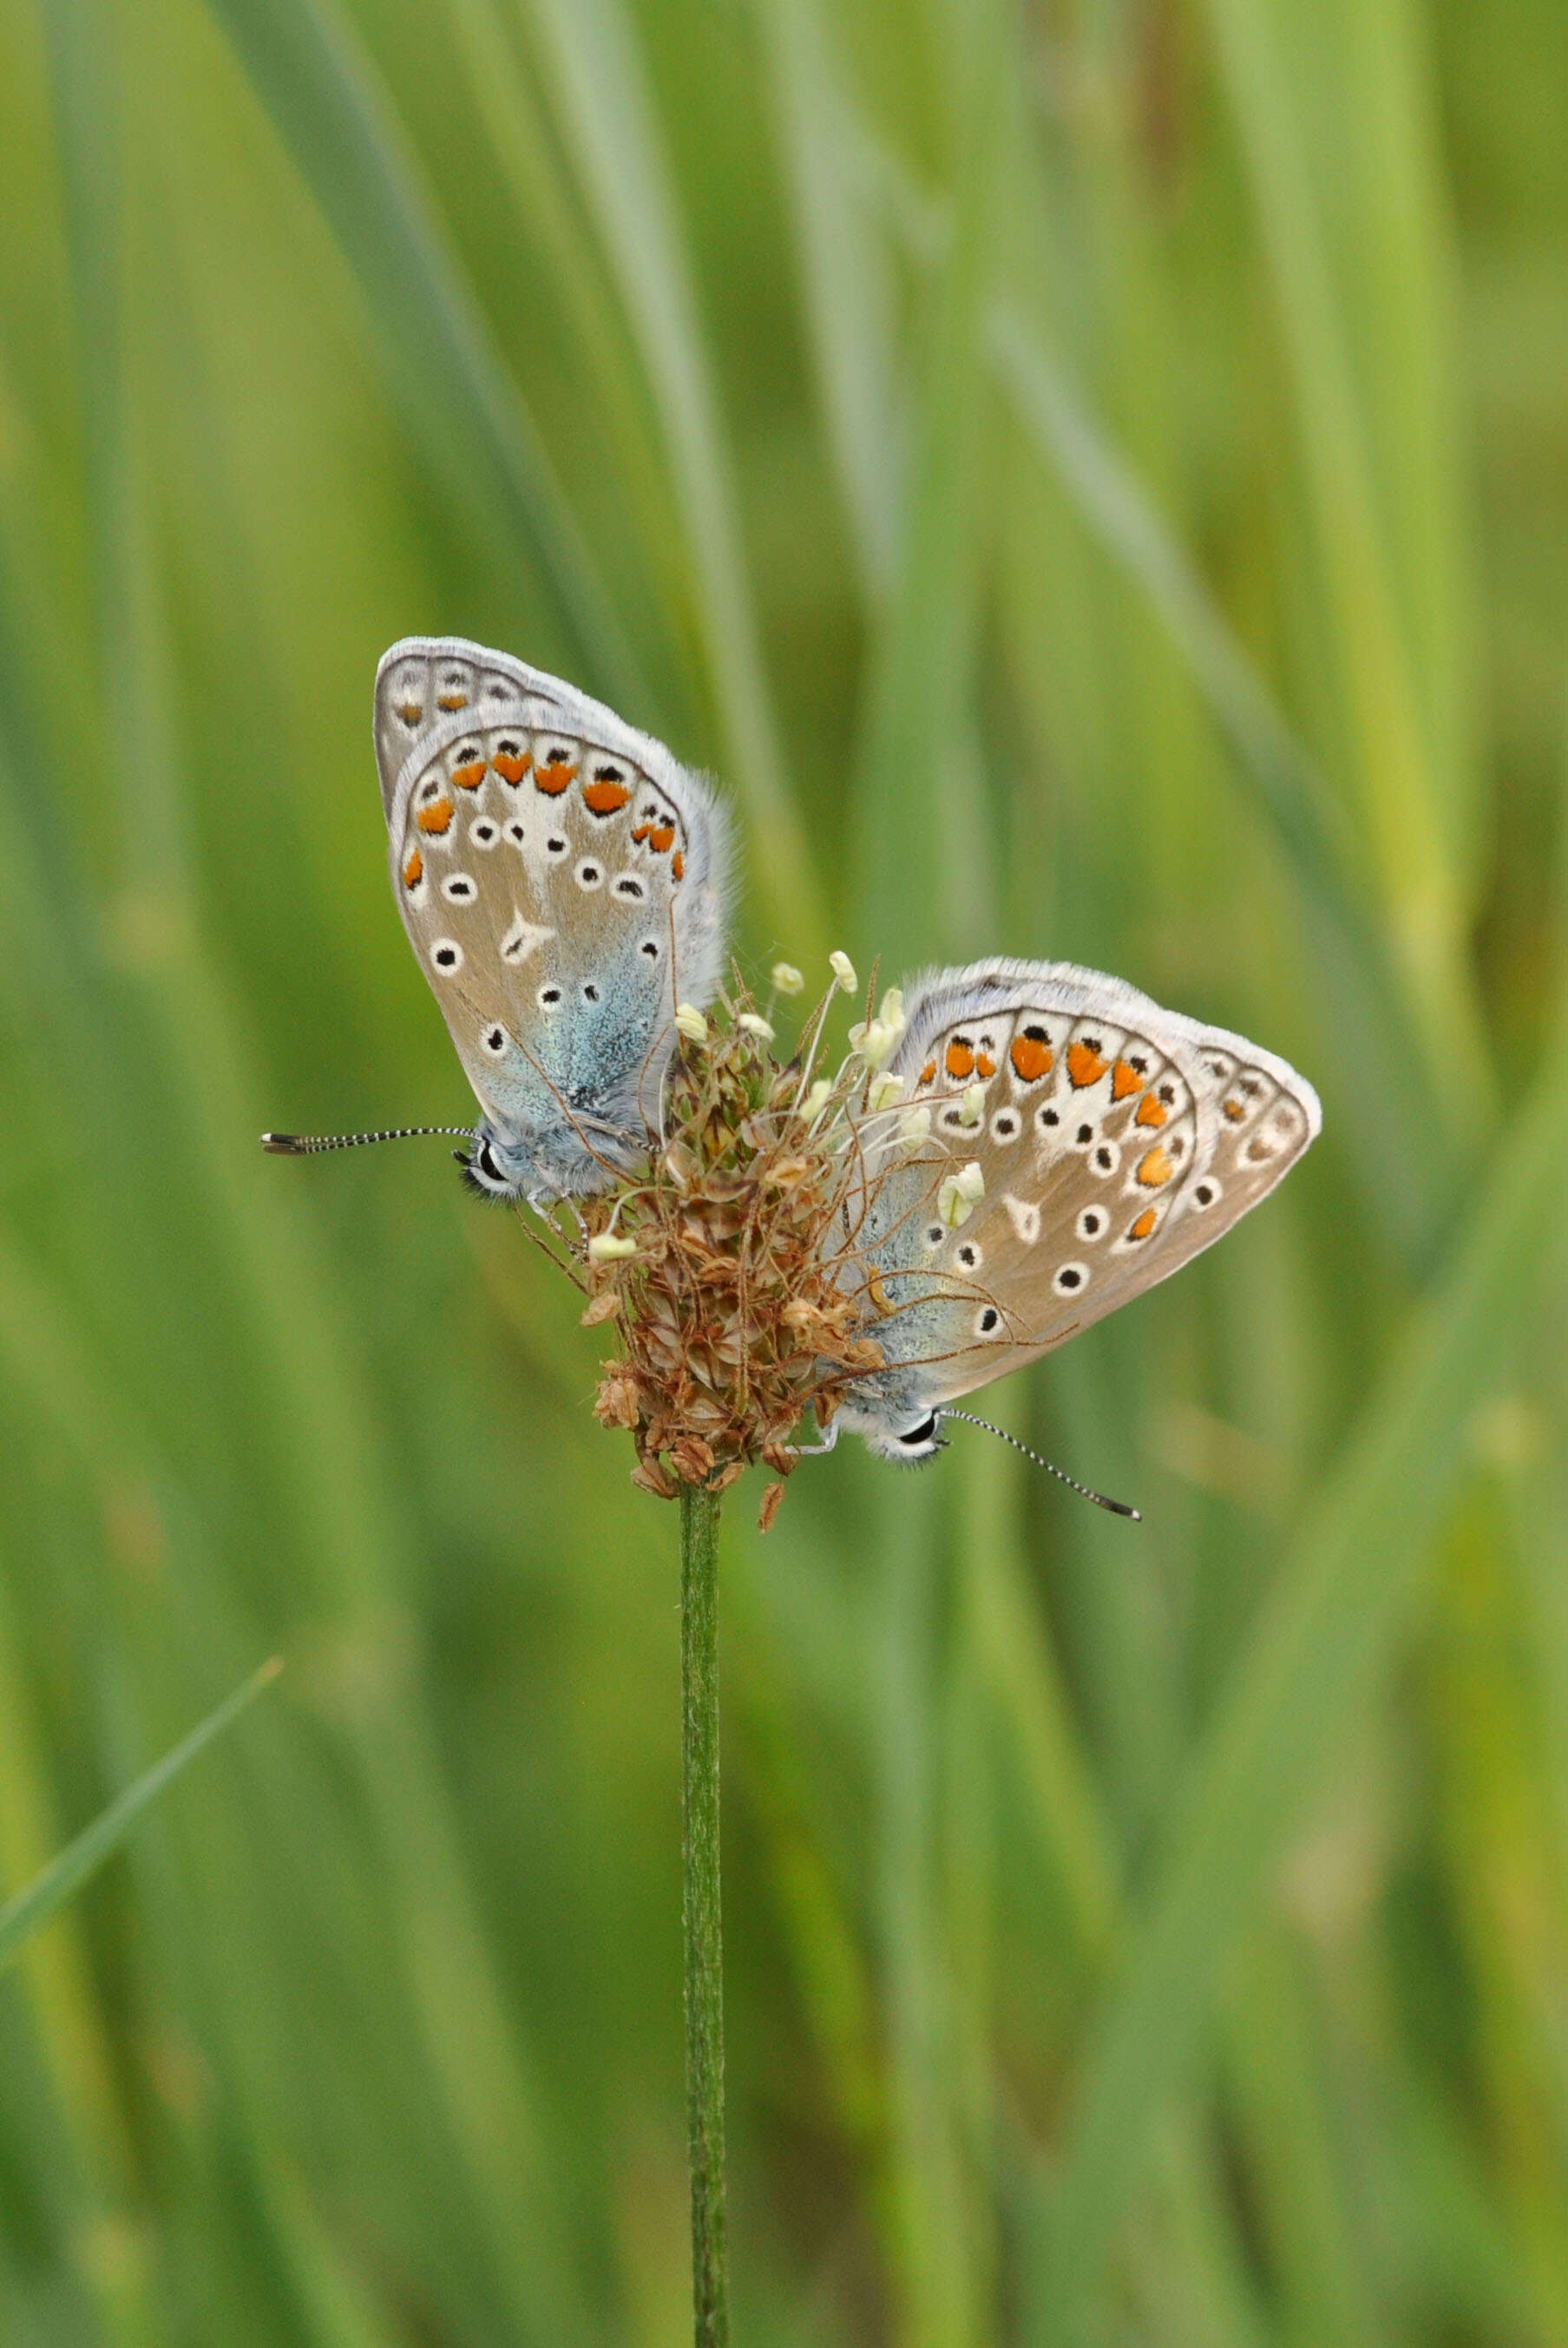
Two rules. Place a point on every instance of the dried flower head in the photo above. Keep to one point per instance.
(728, 1268)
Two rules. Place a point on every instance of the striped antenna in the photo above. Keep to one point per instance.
(1116, 1507)
(304, 1145)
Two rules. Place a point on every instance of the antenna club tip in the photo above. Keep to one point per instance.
(281, 1145)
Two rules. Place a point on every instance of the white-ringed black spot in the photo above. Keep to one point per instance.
(516, 834)
(1047, 1118)
(1091, 1223)
(1106, 1159)
(458, 889)
(508, 750)
(1071, 1276)
(606, 774)
(1083, 1136)
(1005, 1125)
(650, 946)
(548, 997)
(1205, 1194)
(628, 885)
(556, 846)
(589, 875)
(558, 755)
(431, 787)
(494, 1041)
(447, 955)
(987, 1320)
(590, 992)
(934, 1234)
(484, 834)
(969, 1256)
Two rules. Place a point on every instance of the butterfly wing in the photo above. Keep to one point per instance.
(1115, 1139)
(560, 877)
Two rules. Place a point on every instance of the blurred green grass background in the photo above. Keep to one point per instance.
(1092, 479)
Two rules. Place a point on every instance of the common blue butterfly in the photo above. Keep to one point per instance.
(1062, 1144)
(561, 879)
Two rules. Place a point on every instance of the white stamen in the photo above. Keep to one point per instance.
(914, 1127)
(755, 1025)
(843, 970)
(609, 1247)
(787, 978)
(974, 1107)
(691, 1023)
(960, 1194)
(884, 1090)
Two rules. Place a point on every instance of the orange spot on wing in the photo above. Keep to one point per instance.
(1032, 1059)
(1143, 1226)
(510, 769)
(1235, 1110)
(453, 700)
(410, 712)
(928, 1073)
(984, 1065)
(413, 871)
(436, 818)
(553, 779)
(678, 865)
(1155, 1167)
(469, 776)
(642, 832)
(1085, 1066)
(1151, 1112)
(1124, 1079)
(606, 798)
(662, 839)
(960, 1059)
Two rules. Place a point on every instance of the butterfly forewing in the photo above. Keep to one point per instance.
(1114, 1140)
(558, 876)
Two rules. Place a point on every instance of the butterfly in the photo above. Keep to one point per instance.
(1074, 1144)
(1060, 1143)
(561, 878)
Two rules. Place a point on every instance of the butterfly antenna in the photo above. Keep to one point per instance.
(1116, 1507)
(304, 1145)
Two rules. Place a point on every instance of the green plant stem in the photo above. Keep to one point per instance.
(704, 1931)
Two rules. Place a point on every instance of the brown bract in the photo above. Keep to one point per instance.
(742, 1306)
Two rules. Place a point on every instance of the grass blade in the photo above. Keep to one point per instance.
(461, 402)
(80, 1859)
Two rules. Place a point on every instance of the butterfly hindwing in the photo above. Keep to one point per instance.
(1114, 1139)
(560, 879)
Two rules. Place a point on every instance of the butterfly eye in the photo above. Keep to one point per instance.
(485, 1173)
(922, 1437)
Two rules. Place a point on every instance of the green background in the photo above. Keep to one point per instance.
(1092, 481)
